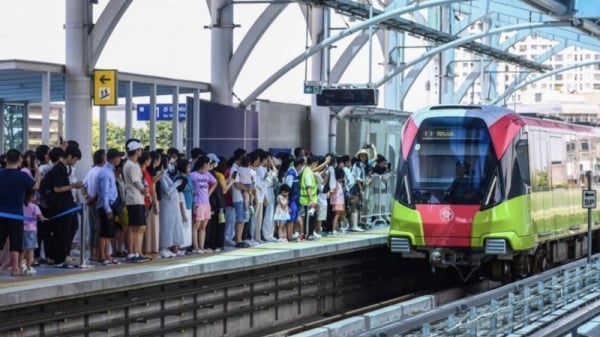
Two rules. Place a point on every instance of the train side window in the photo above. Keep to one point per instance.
(522, 148)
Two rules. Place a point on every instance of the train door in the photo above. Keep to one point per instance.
(561, 198)
(541, 200)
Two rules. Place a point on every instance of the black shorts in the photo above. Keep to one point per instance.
(137, 215)
(107, 227)
(13, 229)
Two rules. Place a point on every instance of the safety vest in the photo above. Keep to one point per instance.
(306, 199)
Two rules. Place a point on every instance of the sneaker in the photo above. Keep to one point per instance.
(142, 258)
(311, 238)
(300, 237)
(317, 235)
(296, 234)
(197, 251)
(131, 258)
(23, 265)
(282, 240)
(229, 242)
(30, 271)
(335, 233)
(356, 229)
(165, 254)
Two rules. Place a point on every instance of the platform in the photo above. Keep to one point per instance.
(51, 283)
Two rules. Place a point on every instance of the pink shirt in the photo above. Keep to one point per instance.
(200, 184)
(33, 211)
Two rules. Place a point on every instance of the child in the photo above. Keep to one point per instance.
(337, 200)
(282, 212)
(203, 184)
(247, 178)
(30, 209)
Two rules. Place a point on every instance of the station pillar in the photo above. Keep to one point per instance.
(319, 116)
(78, 102)
(221, 48)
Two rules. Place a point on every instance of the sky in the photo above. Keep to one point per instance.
(169, 38)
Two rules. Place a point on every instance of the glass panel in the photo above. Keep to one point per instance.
(451, 161)
(13, 121)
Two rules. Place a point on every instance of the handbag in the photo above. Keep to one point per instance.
(118, 205)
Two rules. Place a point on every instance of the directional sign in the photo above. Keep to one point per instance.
(588, 199)
(164, 112)
(105, 87)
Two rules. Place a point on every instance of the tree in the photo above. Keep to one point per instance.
(115, 135)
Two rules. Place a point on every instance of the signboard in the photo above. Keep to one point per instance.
(313, 88)
(105, 87)
(343, 97)
(588, 199)
(164, 112)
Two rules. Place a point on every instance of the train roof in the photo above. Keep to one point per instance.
(491, 114)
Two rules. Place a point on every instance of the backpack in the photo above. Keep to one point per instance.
(46, 190)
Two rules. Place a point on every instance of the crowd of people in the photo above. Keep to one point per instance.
(143, 204)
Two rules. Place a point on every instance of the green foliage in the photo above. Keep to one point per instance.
(115, 135)
(542, 183)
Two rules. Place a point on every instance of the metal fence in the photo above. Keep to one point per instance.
(377, 200)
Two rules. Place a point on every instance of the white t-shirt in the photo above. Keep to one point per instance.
(236, 194)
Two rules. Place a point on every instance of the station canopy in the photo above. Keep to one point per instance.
(21, 81)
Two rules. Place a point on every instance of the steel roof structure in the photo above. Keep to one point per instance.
(21, 81)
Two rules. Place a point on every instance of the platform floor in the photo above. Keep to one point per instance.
(50, 282)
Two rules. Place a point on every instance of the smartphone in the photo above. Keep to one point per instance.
(234, 174)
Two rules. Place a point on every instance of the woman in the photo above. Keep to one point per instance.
(186, 201)
(170, 219)
(150, 201)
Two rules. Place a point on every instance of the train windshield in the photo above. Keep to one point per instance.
(451, 161)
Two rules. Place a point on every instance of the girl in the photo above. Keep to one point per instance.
(337, 200)
(282, 212)
(30, 209)
(204, 184)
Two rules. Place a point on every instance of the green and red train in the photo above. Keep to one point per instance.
(484, 190)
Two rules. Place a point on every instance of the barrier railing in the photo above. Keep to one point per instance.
(377, 200)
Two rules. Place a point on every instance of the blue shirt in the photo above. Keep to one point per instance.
(107, 188)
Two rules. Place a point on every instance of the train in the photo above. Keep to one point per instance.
(485, 191)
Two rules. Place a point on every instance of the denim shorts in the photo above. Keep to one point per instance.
(240, 215)
(30, 240)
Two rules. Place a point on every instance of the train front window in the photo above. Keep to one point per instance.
(451, 161)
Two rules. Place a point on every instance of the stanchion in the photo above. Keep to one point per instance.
(82, 239)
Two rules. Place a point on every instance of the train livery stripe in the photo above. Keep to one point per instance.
(447, 225)
(408, 137)
(503, 131)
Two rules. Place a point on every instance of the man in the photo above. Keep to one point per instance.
(292, 179)
(238, 199)
(63, 189)
(135, 191)
(12, 195)
(90, 194)
(308, 198)
(107, 194)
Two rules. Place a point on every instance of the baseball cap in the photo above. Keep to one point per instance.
(134, 145)
(213, 157)
(114, 153)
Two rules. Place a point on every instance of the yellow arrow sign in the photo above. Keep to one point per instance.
(105, 87)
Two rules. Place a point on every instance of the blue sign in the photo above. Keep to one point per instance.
(164, 112)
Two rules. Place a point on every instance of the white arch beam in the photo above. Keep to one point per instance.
(510, 91)
(104, 27)
(461, 41)
(260, 26)
(329, 41)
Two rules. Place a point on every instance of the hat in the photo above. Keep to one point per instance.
(113, 153)
(134, 145)
(362, 151)
(380, 158)
(213, 157)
